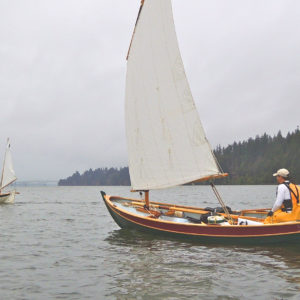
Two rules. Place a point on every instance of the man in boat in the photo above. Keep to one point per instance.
(286, 207)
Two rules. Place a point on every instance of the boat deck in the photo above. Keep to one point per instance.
(183, 214)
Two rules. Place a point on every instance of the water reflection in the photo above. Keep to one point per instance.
(150, 266)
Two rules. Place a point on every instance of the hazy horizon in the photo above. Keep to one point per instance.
(63, 66)
(223, 146)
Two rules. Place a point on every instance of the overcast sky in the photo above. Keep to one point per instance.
(62, 75)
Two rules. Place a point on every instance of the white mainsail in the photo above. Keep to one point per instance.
(167, 145)
(8, 173)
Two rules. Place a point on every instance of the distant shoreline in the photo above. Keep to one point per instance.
(24, 183)
(250, 162)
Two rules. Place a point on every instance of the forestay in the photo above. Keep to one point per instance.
(166, 142)
(8, 173)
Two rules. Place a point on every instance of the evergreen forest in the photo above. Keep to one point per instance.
(249, 162)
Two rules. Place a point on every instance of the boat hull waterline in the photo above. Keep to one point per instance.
(288, 232)
(7, 198)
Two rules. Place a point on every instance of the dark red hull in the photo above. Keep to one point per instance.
(273, 233)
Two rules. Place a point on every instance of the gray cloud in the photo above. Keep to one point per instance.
(242, 59)
(62, 76)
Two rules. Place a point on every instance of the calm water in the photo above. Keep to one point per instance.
(61, 243)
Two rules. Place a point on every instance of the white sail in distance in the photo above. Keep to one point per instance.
(166, 142)
(8, 173)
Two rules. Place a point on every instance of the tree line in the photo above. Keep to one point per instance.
(100, 176)
(249, 162)
(253, 161)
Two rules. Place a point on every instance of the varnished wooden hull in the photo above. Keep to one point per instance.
(239, 234)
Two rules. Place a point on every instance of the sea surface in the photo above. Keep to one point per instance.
(61, 243)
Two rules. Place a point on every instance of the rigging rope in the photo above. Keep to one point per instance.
(222, 203)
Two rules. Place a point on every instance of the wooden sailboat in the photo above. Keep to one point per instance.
(8, 177)
(167, 145)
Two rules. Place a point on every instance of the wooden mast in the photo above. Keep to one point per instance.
(147, 201)
(137, 19)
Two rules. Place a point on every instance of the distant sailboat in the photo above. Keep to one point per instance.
(8, 177)
(167, 146)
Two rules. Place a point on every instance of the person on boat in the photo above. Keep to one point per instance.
(286, 207)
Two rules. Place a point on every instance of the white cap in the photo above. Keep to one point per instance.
(282, 172)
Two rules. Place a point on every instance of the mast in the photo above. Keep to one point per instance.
(137, 19)
(147, 201)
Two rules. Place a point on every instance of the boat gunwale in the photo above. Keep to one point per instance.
(259, 210)
(4, 195)
(115, 209)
